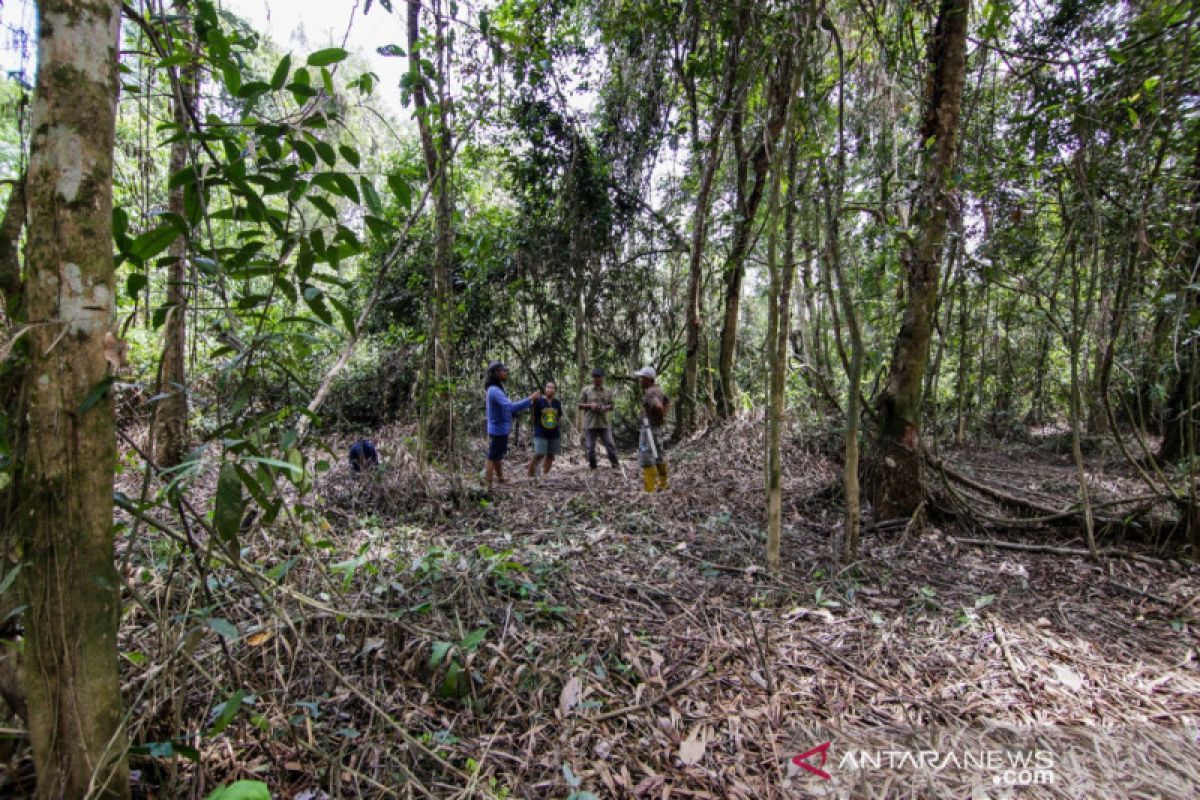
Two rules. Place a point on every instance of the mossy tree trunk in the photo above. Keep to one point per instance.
(67, 448)
(894, 477)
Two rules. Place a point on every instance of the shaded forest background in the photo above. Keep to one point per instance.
(916, 276)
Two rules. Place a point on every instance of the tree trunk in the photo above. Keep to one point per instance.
(438, 416)
(68, 447)
(894, 476)
(171, 416)
(735, 270)
(1180, 416)
(778, 329)
(689, 387)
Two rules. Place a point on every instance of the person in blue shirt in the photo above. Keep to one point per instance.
(500, 412)
(547, 442)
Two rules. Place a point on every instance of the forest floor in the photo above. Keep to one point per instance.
(575, 637)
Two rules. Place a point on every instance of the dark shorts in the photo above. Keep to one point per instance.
(547, 446)
(497, 447)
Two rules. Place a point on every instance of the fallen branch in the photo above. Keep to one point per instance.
(646, 705)
(1107, 552)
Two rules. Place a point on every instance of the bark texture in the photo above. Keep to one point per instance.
(171, 438)
(68, 446)
(748, 203)
(436, 149)
(894, 478)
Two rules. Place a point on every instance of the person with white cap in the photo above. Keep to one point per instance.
(651, 454)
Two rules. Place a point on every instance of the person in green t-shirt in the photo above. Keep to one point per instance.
(596, 401)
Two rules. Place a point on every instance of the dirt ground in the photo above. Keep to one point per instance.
(405, 635)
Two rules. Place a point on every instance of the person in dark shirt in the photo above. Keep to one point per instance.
(547, 439)
(651, 453)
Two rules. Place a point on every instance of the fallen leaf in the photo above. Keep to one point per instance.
(1068, 677)
(260, 638)
(570, 696)
(691, 749)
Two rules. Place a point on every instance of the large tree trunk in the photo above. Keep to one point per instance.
(894, 476)
(68, 445)
(438, 408)
(735, 270)
(171, 438)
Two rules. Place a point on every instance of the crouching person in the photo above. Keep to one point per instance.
(363, 455)
(651, 455)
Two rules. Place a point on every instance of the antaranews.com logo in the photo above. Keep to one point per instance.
(1002, 767)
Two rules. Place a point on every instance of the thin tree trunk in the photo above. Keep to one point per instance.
(779, 300)
(735, 270)
(171, 438)
(438, 417)
(689, 387)
(68, 443)
(1180, 414)
(895, 478)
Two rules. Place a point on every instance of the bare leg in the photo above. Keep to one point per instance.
(489, 469)
(549, 463)
(533, 462)
(500, 471)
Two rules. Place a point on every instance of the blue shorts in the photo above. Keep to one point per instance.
(547, 446)
(497, 447)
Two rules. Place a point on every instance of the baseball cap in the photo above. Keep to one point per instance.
(646, 372)
(597, 372)
(496, 366)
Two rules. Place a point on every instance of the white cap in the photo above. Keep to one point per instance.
(646, 372)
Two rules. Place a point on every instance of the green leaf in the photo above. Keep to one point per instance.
(223, 627)
(400, 189)
(242, 790)
(456, 683)
(233, 78)
(438, 654)
(135, 283)
(153, 242)
(370, 196)
(279, 77)
(472, 640)
(330, 55)
(272, 462)
(350, 154)
(9, 577)
(344, 312)
(390, 50)
(183, 177)
(326, 152)
(225, 712)
(324, 206)
(346, 184)
(377, 227)
(230, 504)
(305, 151)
